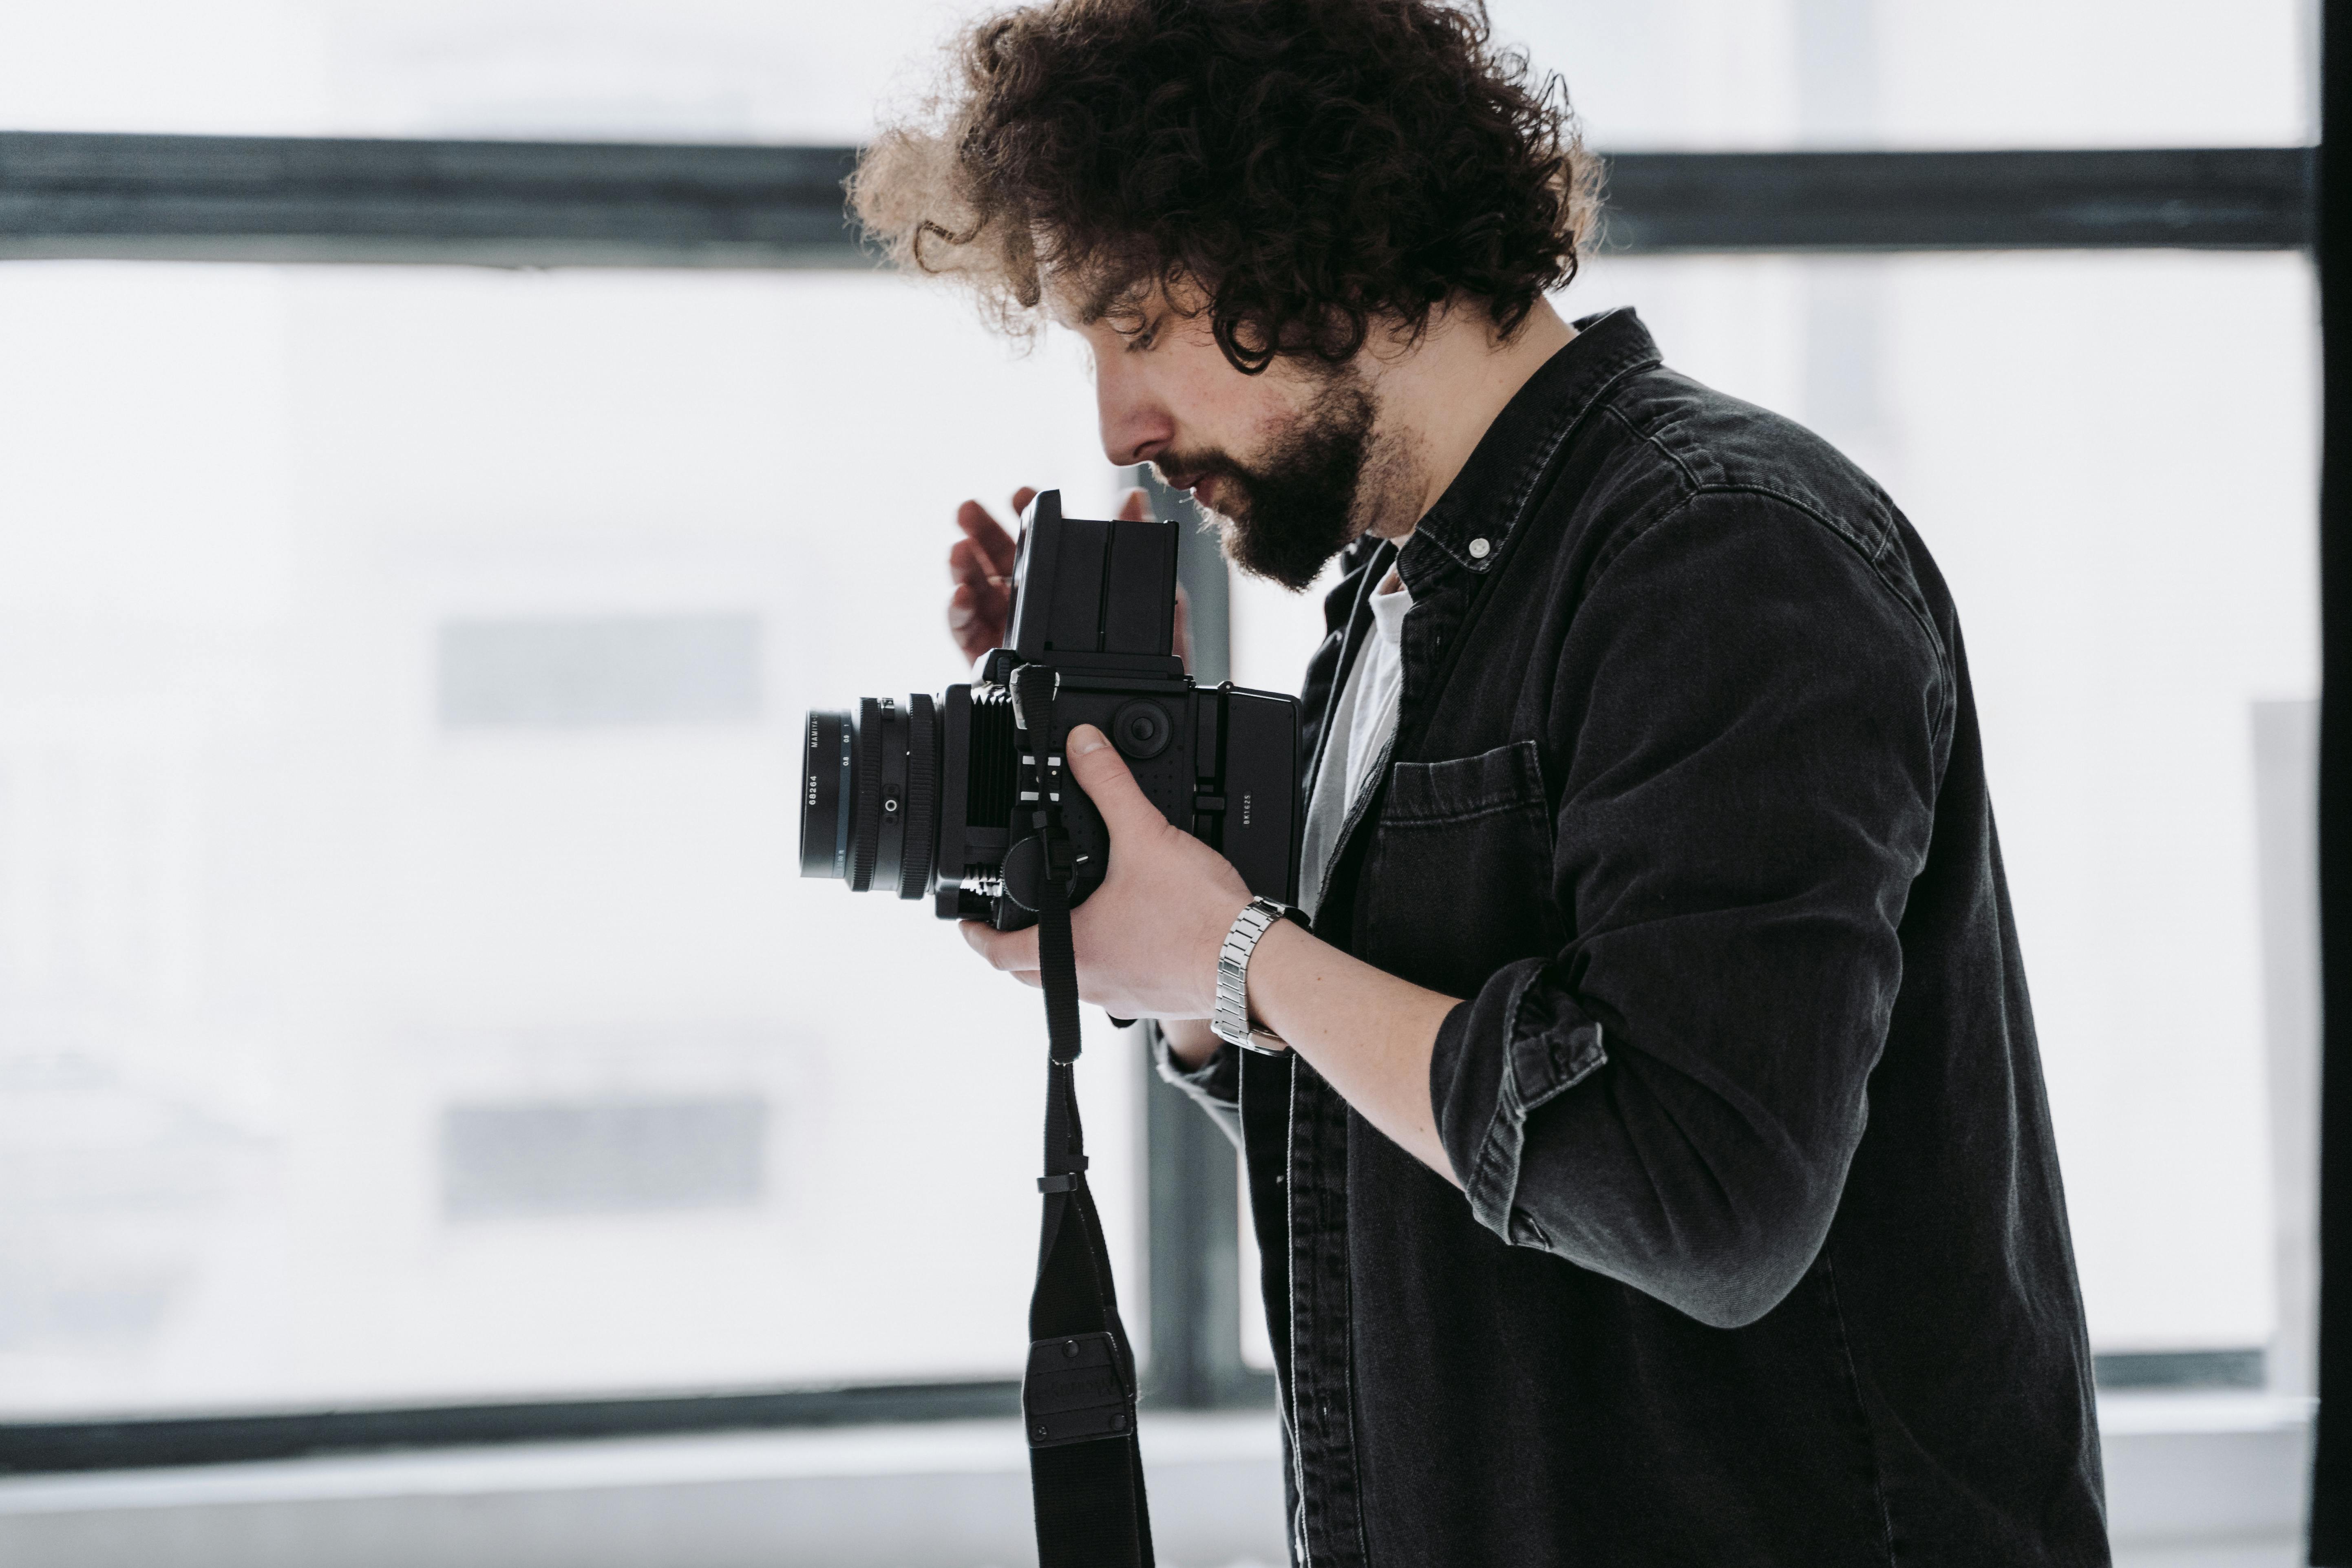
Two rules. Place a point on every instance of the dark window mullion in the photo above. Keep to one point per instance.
(229, 198)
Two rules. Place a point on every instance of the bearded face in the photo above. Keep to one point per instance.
(1286, 511)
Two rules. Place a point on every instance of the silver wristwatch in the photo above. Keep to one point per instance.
(1230, 1022)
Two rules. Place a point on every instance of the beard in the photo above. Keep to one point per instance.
(1286, 515)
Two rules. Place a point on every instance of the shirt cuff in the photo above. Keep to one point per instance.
(1521, 1042)
(1215, 1086)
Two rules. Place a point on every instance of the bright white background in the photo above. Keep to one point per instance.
(1680, 73)
(261, 918)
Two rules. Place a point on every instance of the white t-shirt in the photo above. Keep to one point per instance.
(1363, 721)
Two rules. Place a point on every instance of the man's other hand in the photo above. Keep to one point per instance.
(1147, 941)
(981, 565)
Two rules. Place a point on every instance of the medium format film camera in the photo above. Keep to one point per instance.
(927, 798)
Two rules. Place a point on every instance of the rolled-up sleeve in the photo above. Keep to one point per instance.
(1215, 1086)
(1750, 716)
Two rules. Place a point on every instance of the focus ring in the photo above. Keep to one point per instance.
(922, 797)
(867, 823)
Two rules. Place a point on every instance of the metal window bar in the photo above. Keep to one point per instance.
(516, 204)
(2331, 1483)
(553, 204)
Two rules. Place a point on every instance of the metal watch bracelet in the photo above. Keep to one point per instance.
(1230, 1022)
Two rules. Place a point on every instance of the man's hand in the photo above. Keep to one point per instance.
(1147, 948)
(1147, 939)
(981, 563)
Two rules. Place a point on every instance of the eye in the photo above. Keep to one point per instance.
(1134, 324)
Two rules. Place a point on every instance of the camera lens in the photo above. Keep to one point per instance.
(827, 785)
(869, 796)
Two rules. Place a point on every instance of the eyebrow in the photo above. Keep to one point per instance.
(1109, 296)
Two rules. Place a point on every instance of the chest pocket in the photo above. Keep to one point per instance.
(1458, 881)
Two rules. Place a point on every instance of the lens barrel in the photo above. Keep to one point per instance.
(827, 785)
(870, 794)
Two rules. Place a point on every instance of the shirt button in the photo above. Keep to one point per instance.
(1478, 549)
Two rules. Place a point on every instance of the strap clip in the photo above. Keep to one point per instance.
(1077, 1389)
(1027, 675)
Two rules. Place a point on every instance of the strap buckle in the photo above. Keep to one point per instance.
(1061, 865)
(1077, 1389)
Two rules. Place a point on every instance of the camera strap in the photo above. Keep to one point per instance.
(1078, 1395)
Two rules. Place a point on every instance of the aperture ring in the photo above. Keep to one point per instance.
(922, 813)
(869, 795)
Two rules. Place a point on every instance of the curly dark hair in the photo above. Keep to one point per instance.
(1298, 169)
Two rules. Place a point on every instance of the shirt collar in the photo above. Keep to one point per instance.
(1474, 522)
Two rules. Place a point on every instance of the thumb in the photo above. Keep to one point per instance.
(1097, 767)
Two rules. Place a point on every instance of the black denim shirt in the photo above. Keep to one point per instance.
(1764, 1258)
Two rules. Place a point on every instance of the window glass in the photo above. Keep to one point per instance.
(407, 991)
(1725, 74)
(2112, 458)
(1676, 73)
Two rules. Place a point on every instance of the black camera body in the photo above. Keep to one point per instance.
(927, 798)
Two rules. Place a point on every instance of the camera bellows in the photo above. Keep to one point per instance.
(995, 762)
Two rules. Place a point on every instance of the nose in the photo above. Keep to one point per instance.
(1136, 425)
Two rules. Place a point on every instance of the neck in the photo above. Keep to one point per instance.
(1438, 398)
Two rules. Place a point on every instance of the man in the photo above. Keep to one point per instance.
(1659, 1170)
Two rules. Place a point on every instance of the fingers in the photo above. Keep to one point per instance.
(974, 632)
(1134, 507)
(968, 564)
(1007, 950)
(979, 601)
(996, 547)
(1099, 771)
(1015, 951)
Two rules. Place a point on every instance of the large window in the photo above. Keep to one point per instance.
(407, 996)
